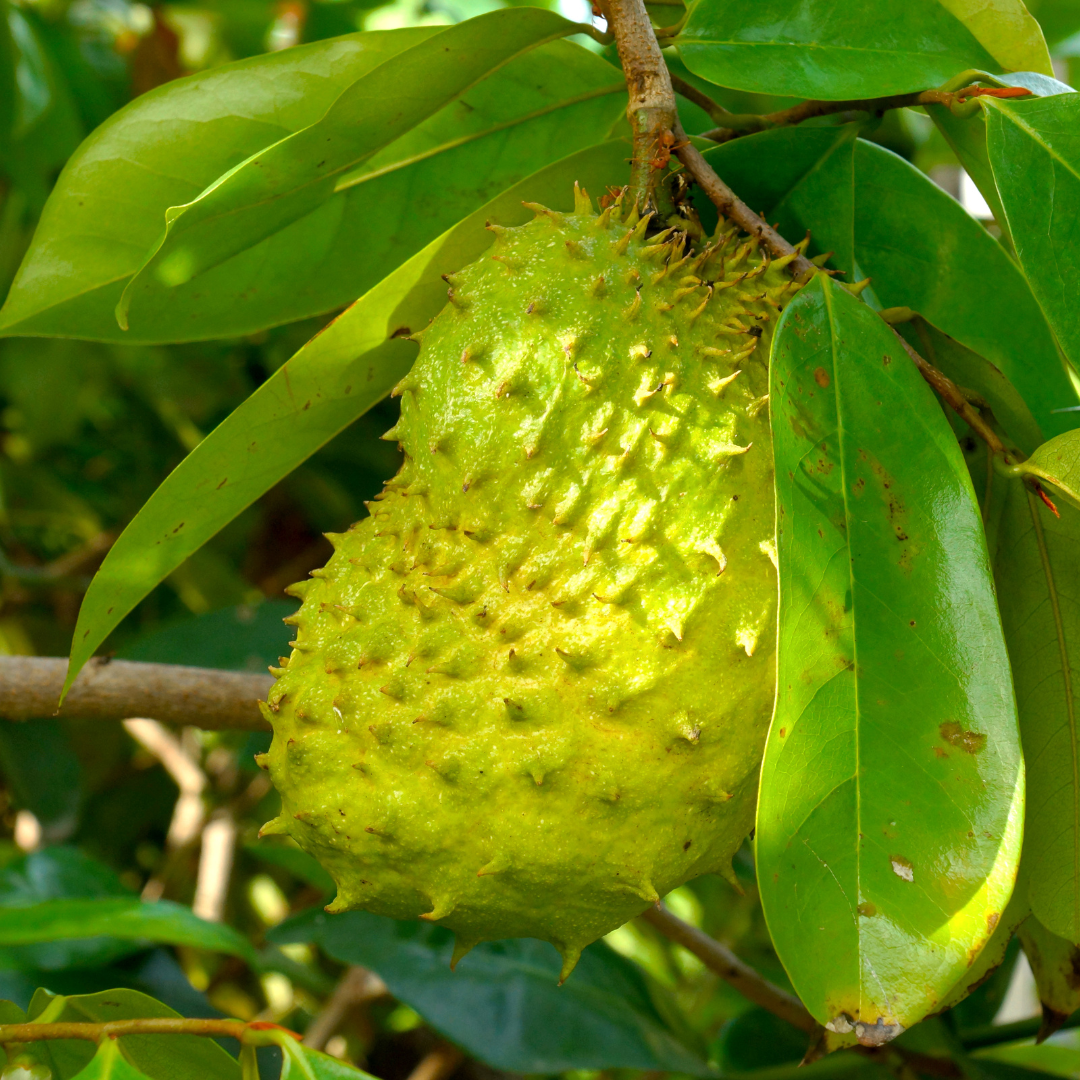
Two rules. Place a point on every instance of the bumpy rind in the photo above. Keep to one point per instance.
(529, 693)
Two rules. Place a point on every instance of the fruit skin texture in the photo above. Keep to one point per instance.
(529, 694)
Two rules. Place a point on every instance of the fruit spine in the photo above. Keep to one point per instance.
(528, 695)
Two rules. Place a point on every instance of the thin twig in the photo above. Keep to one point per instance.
(651, 108)
(357, 986)
(692, 94)
(438, 1064)
(749, 123)
(728, 966)
(732, 207)
(115, 1029)
(119, 689)
(954, 397)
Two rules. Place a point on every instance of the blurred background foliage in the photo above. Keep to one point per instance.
(87, 432)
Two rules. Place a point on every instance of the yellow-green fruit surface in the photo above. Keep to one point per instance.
(530, 692)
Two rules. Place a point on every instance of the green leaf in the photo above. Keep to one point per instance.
(335, 378)
(973, 372)
(537, 109)
(8, 85)
(287, 181)
(801, 179)
(1058, 463)
(921, 250)
(984, 966)
(830, 49)
(159, 1057)
(54, 873)
(109, 1064)
(1059, 19)
(243, 638)
(1008, 32)
(1037, 569)
(1034, 150)
(1054, 963)
(503, 1004)
(1048, 1058)
(120, 917)
(891, 806)
(300, 1062)
(966, 133)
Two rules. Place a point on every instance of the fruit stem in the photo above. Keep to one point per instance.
(651, 108)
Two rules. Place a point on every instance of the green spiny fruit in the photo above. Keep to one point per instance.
(529, 693)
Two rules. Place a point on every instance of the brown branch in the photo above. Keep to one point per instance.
(115, 1029)
(651, 108)
(954, 397)
(692, 94)
(357, 986)
(121, 689)
(732, 207)
(728, 966)
(750, 123)
(438, 1064)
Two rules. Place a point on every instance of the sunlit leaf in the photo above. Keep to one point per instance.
(329, 383)
(1058, 463)
(158, 1057)
(1007, 30)
(109, 1064)
(300, 1062)
(167, 146)
(891, 806)
(831, 49)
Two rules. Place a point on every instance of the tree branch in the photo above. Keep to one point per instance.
(651, 108)
(121, 689)
(728, 966)
(115, 1029)
(748, 124)
(732, 207)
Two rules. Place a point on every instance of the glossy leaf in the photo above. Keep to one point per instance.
(503, 1003)
(923, 251)
(1055, 963)
(1034, 150)
(286, 181)
(119, 917)
(159, 1057)
(830, 49)
(891, 806)
(1058, 463)
(966, 133)
(109, 1064)
(1037, 567)
(1008, 32)
(535, 110)
(335, 378)
(990, 958)
(57, 873)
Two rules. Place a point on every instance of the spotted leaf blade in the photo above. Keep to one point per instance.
(891, 804)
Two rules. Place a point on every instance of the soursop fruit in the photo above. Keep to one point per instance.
(529, 694)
